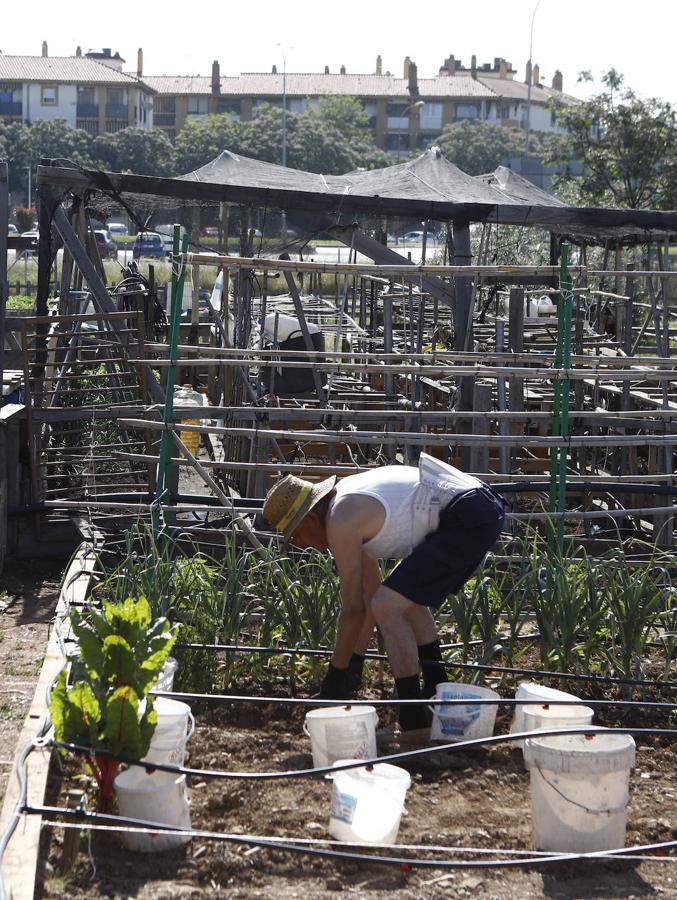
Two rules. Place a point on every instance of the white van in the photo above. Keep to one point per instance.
(166, 232)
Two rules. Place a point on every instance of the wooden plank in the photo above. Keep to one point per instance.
(20, 860)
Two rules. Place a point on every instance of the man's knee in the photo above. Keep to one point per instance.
(388, 606)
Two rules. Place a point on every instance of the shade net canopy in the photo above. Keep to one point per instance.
(429, 187)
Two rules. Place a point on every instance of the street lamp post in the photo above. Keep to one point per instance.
(284, 105)
(531, 73)
(417, 105)
(28, 169)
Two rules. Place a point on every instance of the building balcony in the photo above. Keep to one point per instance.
(164, 119)
(113, 125)
(116, 111)
(10, 108)
(87, 111)
(91, 126)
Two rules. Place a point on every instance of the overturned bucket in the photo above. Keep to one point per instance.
(341, 732)
(175, 727)
(463, 721)
(160, 797)
(367, 803)
(579, 790)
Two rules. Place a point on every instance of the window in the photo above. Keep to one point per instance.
(116, 97)
(198, 106)
(49, 95)
(297, 105)
(466, 111)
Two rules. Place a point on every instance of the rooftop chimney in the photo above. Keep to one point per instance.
(78, 51)
(343, 70)
(44, 48)
(413, 80)
(274, 69)
(379, 65)
(449, 66)
(216, 78)
(326, 70)
(527, 79)
(473, 67)
(537, 74)
(557, 81)
(139, 62)
(502, 69)
(407, 63)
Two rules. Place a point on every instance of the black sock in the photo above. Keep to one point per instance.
(411, 717)
(434, 672)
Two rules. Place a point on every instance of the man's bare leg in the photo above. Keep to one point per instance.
(391, 611)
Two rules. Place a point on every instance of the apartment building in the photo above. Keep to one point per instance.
(89, 91)
(406, 113)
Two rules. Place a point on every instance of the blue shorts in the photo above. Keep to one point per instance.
(446, 558)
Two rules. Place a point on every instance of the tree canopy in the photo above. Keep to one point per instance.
(626, 146)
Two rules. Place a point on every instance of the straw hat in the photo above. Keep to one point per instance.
(291, 499)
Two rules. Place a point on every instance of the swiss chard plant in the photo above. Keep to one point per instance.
(106, 706)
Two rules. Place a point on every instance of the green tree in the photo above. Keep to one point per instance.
(26, 145)
(478, 147)
(347, 116)
(626, 146)
(135, 150)
(202, 140)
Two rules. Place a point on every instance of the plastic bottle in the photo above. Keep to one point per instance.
(186, 396)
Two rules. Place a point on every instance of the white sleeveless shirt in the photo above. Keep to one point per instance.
(411, 498)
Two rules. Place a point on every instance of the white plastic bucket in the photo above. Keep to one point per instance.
(341, 732)
(175, 727)
(160, 797)
(462, 722)
(579, 790)
(367, 803)
(545, 716)
(165, 681)
(536, 693)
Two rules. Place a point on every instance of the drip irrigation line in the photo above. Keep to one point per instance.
(408, 755)
(304, 651)
(427, 701)
(516, 858)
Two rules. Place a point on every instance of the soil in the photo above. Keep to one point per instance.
(478, 800)
(29, 591)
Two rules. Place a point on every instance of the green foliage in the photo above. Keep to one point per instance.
(121, 653)
(20, 301)
(135, 150)
(626, 145)
(25, 218)
(478, 147)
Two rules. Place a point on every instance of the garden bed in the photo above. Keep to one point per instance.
(478, 800)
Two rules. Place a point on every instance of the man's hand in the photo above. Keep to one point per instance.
(335, 684)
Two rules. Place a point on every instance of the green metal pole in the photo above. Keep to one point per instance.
(560, 409)
(178, 277)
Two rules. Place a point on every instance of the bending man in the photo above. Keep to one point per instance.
(437, 520)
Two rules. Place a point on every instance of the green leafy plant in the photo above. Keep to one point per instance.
(107, 707)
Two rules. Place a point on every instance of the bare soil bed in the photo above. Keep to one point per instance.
(476, 800)
(29, 591)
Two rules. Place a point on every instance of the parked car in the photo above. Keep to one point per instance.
(148, 243)
(117, 229)
(166, 232)
(108, 249)
(416, 237)
(12, 229)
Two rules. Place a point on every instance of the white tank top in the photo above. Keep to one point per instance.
(406, 501)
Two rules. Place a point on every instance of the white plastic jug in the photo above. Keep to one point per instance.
(367, 803)
(341, 732)
(160, 797)
(459, 721)
(579, 790)
(536, 693)
(165, 681)
(174, 729)
(544, 716)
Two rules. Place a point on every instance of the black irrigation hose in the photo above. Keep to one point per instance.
(428, 701)
(83, 818)
(306, 651)
(408, 755)
(631, 487)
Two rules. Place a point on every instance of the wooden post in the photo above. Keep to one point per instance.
(516, 345)
(4, 284)
(479, 454)
(71, 838)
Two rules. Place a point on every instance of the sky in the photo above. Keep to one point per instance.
(178, 39)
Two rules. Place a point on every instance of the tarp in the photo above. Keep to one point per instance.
(428, 187)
